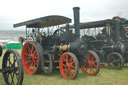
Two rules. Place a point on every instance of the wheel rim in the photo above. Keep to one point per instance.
(48, 63)
(115, 61)
(30, 58)
(12, 68)
(68, 66)
(90, 64)
(0, 50)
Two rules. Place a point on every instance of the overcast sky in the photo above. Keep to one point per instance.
(14, 11)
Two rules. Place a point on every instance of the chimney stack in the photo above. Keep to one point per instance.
(77, 22)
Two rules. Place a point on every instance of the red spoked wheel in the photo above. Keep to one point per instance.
(69, 66)
(31, 57)
(91, 63)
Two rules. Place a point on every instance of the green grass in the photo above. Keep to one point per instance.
(105, 77)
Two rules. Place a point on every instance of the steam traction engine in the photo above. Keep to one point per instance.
(52, 44)
(109, 39)
(12, 68)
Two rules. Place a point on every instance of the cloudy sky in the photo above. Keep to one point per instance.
(14, 11)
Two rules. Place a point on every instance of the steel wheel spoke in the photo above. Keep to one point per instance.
(66, 58)
(90, 69)
(71, 73)
(12, 77)
(32, 49)
(72, 62)
(66, 70)
(73, 67)
(94, 65)
(26, 54)
(29, 50)
(17, 75)
(35, 63)
(63, 64)
(27, 62)
(88, 57)
(34, 53)
(92, 57)
(10, 64)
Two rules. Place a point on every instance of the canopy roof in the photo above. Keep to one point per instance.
(44, 22)
(102, 23)
(94, 24)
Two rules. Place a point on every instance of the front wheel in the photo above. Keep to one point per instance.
(115, 60)
(69, 66)
(90, 63)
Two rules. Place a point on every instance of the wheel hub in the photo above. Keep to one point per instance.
(69, 66)
(90, 62)
(30, 57)
(66, 66)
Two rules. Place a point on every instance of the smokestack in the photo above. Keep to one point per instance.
(77, 22)
(117, 27)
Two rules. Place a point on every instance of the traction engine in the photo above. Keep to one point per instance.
(111, 42)
(48, 48)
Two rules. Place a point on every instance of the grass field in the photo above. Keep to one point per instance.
(105, 77)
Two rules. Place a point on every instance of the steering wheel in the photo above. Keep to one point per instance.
(31, 36)
(58, 32)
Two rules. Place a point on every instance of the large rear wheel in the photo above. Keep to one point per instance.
(31, 57)
(69, 66)
(12, 68)
(90, 63)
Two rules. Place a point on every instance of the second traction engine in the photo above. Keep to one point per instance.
(111, 42)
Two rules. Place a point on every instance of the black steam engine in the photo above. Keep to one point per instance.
(53, 44)
(12, 68)
(108, 39)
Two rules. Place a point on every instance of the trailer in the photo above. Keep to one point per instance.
(12, 68)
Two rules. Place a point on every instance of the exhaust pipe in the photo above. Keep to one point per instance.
(77, 22)
(117, 27)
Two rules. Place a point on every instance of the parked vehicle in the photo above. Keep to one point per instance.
(109, 39)
(49, 46)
